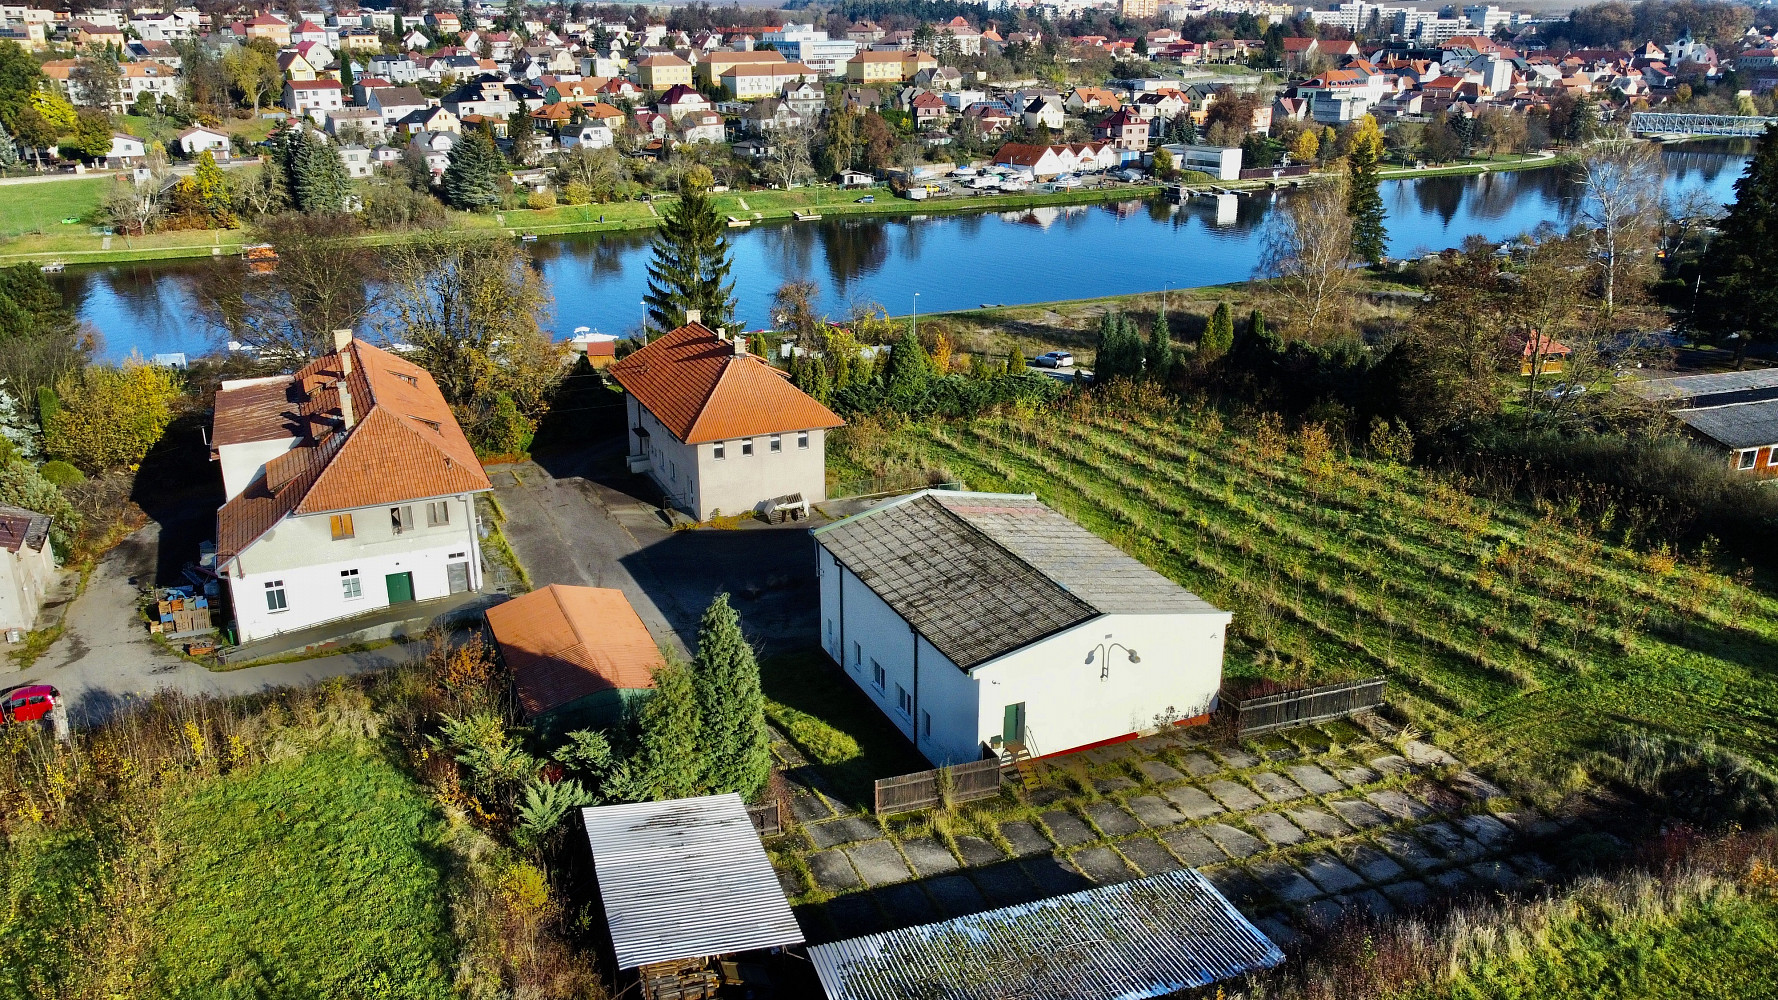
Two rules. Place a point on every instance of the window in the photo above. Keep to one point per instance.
(274, 596)
(1772, 457)
(437, 513)
(877, 676)
(721, 450)
(926, 724)
(409, 379)
(746, 447)
(349, 584)
(777, 443)
(904, 703)
(1747, 459)
(401, 519)
(857, 656)
(802, 440)
(341, 525)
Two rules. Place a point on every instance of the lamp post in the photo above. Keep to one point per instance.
(1103, 653)
(916, 315)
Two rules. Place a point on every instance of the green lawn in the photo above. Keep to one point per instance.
(44, 204)
(834, 724)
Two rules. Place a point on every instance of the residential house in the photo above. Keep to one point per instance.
(444, 22)
(704, 126)
(580, 657)
(202, 139)
(681, 101)
(350, 488)
(1736, 412)
(1045, 112)
(593, 134)
(357, 160)
(269, 27)
(1124, 129)
(138, 78)
(160, 52)
(1046, 163)
(27, 566)
(436, 148)
(1343, 95)
(1084, 99)
(428, 120)
(865, 32)
(770, 115)
(126, 151)
(364, 125)
(887, 67)
(942, 78)
(314, 98)
(395, 103)
(1220, 162)
(978, 620)
(398, 69)
(805, 97)
(710, 69)
(988, 118)
(603, 112)
(317, 55)
(717, 428)
(750, 80)
(491, 97)
(659, 73)
(962, 36)
(929, 109)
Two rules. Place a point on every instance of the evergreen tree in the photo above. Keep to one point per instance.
(1120, 350)
(1738, 295)
(9, 150)
(1364, 203)
(1159, 356)
(691, 260)
(346, 76)
(1219, 334)
(737, 757)
(669, 758)
(909, 369)
(321, 183)
(472, 177)
(522, 131)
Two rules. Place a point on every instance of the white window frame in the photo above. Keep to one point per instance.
(746, 447)
(777, 445)
(1772, 456)
(925, 724)
(438, 513)
(802, 440)
(878, 676)
(275, 588)
(857, 656)
(904, 702)
(1747, 458)
(401, 519)
(720, 451)
(351, 585)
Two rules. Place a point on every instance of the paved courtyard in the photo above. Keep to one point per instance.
(1297, 830)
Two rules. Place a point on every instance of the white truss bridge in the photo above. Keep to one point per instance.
(1666, 123)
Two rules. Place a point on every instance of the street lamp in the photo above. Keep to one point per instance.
(1103, 653)
(916, 315)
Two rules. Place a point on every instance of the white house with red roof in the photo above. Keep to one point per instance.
(717, 428)
(350, 489)
(27, 565)
(314, 98)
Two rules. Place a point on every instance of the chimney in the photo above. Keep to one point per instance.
(346, 417)
(694, 316)
(739, 339)
(341, 338)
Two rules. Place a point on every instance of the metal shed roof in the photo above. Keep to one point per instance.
(1704, 390)
(686, 878)
(1743, 425)
(1146, 938)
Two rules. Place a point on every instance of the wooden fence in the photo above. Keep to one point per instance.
(922, 790)
(768, 818)
(1301, 708)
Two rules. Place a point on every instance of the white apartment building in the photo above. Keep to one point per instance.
(350, 488)
(806, 44)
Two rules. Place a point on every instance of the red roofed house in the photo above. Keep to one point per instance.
(717, 428)
(314, 98)
(1125, 129)
(350, 489)
(27, 565)
(578, 655)
(1539, 354)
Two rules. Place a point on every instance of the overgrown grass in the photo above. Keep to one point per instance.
(40, 206)
(834, 724)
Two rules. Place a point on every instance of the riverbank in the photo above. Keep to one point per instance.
(749, 207)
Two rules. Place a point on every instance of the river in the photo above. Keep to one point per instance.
(951, 261)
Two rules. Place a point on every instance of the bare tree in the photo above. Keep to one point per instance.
(1687, 214)
(1619, 212)
(790, 154)
(1307, 254)
(321, 284)
(136, 205)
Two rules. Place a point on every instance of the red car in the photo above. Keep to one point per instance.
(27, 704)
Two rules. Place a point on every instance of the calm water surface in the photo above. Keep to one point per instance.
(952, 261)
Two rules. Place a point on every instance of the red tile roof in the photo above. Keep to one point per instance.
(565, 643)
(404, 444)
(701, 390)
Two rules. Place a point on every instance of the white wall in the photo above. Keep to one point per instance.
(24, 577)
(703, 484)
(242, 463)
(1068, 705)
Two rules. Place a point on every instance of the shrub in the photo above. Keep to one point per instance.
(1695, 780)
(541, 199)
(110, 416)
(576, 193)
(61, 474)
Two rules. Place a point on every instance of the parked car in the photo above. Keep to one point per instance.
(28, 704)
(869, 199)
(1054, 359)
(1565, 390)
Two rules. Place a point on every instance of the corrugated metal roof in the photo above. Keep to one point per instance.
(686, 878)
(1744, 425)
(982, 574)
(1692, 387)
(1146, 938)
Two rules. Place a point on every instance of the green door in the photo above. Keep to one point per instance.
(1013, 727)
(401, 587)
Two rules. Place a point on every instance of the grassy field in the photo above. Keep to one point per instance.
(1527, 636)
(834, 724)
(42, 205)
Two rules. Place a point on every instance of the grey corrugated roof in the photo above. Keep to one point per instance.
(982, 574)
(1692, 387)
(1744, 425)
(686, 878)
(1146, 938)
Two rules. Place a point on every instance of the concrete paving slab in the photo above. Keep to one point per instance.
(1199, 765)
(1284, 881)
(1237, 886)
(1399, 804)
(1282, 934)
(956, 895)
(1376, 867)
(849, 830)
(1237, 843)
(1474, 786)
(1450, 841)
(1487, 831)
(1276, 829)
(1194, 848)
(1314, 779)
(1412, 854)
(1390, 764)
(1154, 812)
(1237, 758)
(1053, 876)
(1111, 819)
(978, 851)
(1049, 795)
(1111, 786)
(1357, 775)
(833, 871)
(1326, 871)
(906, 905)
(879, 863)
(1408, 895)
(1360, 813)
(1160, 773)
(928, 856)
(1148, 856)
(1497, 873)
(1276, 787)
(1426, 755)
(855, 915)
(1323, 913)
(809, 809)
(1004, 884)
(1102, 865)
(1319, 823)
(1368, 902)
(1025, 838)
(1068, 829)
(1438, 797)
(1235, 796)
(1195, 803)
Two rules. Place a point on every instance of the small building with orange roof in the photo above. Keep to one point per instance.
(578, 655)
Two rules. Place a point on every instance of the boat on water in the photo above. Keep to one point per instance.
(528, 238)
(261, 258)
(53, 267)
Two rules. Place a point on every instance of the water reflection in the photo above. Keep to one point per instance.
(953, 261)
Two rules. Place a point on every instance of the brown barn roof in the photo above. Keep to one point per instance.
(700, 389)
(403, 445)
(564, 643)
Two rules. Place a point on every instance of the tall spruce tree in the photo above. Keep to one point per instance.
(691, 260)
(346, 75)
(1159, 356)
(1738, 293)
(320, 180)
(1364, 202)
(725, 673)
(9, 150)
(1219, 334)
(472, 177)
(909, 369)
(1119, 352)
(669, 758)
